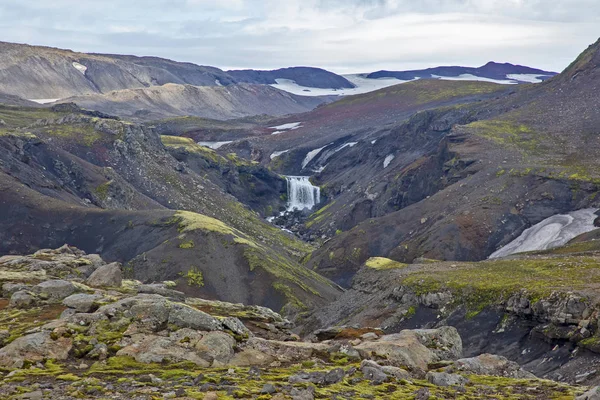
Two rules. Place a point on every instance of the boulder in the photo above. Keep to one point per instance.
(34, 348)
(187, 317)
(401, 350)
(22, 299)
(161, 290)
(414, 349)
(445, 342)
(9, 288)
(373, 372)
(218, 346)
(55, 290)
(446, 379)
(287, 351)
(251, 357)
(236, 326)
(81, 302)
(157, 349)
(108, 275)
(489, 364)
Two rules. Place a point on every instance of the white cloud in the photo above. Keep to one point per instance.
(343, 35)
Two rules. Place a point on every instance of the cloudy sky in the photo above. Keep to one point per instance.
(340, 35)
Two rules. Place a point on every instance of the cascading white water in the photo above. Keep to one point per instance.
(301, 193)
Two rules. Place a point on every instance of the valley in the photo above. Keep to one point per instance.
(170, 230)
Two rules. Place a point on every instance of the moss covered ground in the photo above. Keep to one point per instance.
(123, 377)
(480, 284)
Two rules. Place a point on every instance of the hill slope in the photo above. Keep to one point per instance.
(216, 102)
(111, 187)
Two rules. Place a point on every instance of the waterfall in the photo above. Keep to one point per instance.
(301, 193)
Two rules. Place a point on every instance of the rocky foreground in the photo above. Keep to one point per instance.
(72, 328)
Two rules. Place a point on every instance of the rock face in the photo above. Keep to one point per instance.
(109, 275)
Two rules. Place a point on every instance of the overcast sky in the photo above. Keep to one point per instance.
(340, 35)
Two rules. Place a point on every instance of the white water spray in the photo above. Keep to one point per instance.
(301, 193)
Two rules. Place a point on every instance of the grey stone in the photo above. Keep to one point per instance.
(162, 291)
(108, 275)
(157, 349)
(22, 299)
(446, 379)
(422, 394)
(236, 326)
(303, 394)
(369, 336)
(373, 372)
(334, 376)
(9, 288)
(188, 317)
(218, 346)
(55, 290)
(82, 302)
(490, 364)
(34, 347)
(35, 395)
(268, 389)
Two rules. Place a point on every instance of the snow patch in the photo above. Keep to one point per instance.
(278, 153)
(361, 83)
(218, 82)
(214, 145)
(471, 77)
(373, 141)
(287, 127)
(310, 155)
(349, 144)
(43, 101)
(80, 67)
(529, 78)
(388, 159)
(552, 232)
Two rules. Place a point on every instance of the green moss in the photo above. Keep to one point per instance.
(381, 263)
(68, 377)
(481, 284)
(189, 221)
(187, 245)
(102, 190)
(193, 276)
(507, 133)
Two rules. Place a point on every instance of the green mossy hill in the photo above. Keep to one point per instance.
(492, 282)
(73, 126)
(424, 91)
(290, 279)
(381, 263)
